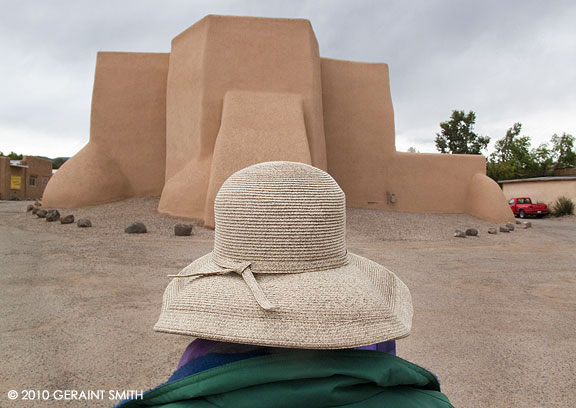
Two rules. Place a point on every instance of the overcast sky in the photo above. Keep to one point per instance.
(509, 61)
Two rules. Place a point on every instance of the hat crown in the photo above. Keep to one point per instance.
(281, 217)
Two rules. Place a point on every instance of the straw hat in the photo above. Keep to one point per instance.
(280, 274)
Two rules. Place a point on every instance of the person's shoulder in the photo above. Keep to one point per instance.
(369, 378)
(406, 397)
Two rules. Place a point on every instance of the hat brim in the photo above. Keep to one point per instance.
(354, 305)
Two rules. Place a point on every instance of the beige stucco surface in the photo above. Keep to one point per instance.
(256, 127)
(126, 154)
(359, 127)
(484, 200)
(239, 90)
(541, 191)
(221, 54)
(360, 143)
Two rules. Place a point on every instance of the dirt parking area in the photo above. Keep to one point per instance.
(495, 315)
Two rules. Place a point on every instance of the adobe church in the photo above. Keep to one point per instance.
(235, 91)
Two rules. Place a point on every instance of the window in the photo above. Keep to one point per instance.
(511, 202)
(32, 181)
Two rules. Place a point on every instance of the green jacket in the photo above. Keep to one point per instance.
(304, 379)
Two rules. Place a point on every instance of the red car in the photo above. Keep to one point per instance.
(522, 207)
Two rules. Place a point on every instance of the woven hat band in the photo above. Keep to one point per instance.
(286, 267)
(282, 217)
(241, 268)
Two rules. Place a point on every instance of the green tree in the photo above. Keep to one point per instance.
(563, 147)
(512, 147)
(512, 157)
(15, 156)
(58, 161)
(542, 161)
(457, 135)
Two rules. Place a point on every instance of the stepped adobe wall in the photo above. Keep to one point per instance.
(235, 91)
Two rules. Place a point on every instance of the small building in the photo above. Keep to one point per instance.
(24, 179)
(541, 189)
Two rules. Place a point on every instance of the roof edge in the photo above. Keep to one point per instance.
(552, 178)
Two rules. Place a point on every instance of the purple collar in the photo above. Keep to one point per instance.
(201, 347)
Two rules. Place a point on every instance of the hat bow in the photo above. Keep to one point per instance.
(243, 269)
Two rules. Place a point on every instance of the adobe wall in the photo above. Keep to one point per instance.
(485, 200)
(256, 127)
(126, 154)
(360, 144)
(220, 54)
(42, 169)
(541, 191)
(442, 181)
(359, 129)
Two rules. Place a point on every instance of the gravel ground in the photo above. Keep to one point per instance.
(494, 315)
(382, 225)
(111, 219)
(566, 218)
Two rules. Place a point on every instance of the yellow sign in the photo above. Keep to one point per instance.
(15, 182)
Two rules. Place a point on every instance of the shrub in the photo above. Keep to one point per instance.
(562, 206)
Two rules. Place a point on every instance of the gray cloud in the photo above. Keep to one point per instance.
(508, 61)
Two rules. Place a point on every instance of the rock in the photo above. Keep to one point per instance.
(69, 219)
(52, 215)
(35, 210)
(472, 232)
(511, 226)
(492, 231)
(504, 229)
(136, 228)
(183, 230)
(518, 222)
(84, 223)
(41, 213)
(525, 225)
(37, 203)
(459, 234)
(29, 208)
